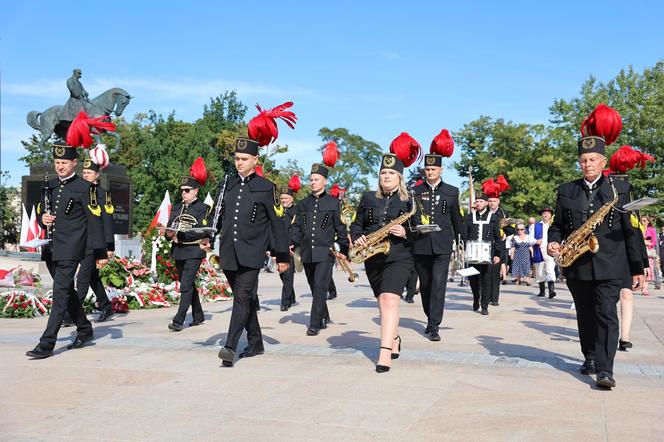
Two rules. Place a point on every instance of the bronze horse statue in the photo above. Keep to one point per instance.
(113, 101)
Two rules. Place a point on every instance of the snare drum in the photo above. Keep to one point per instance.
(478, 252)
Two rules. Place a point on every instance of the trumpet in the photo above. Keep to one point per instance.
(344, 265)
(459, 254)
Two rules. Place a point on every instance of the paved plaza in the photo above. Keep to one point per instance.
(512, 375)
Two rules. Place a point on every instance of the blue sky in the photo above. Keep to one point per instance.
(376, 68)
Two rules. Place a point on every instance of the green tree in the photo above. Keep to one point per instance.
(359, 159)
(10, 217)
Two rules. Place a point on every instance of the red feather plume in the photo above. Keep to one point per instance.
(198, 171)
(83, 127)
(603, 122)
(491, 188)
(294, 183)
(263, 127)
(406, 149)
(330, 154)
(442, 144)
(335, 191)
(502, 182)
(259, 170)
(627, 158)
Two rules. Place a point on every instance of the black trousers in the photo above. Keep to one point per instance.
(332, 289)
(65, 298)
(88, 277)
(287, 279)
(432, 270)
(411, 287)
(597, 319)
(187, 269)
(319, 275)
(243, 282)
(494, 291)
(481, 284)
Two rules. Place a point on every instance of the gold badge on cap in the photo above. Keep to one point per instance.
(431, 161)
(588, 143)
(60, 151)
(389, 161)
(184, 180)
(87, 163)
(241, 144)
(314, 168)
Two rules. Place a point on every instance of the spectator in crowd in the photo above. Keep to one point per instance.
(520, 254)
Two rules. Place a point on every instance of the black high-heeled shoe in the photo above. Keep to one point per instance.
(624, 345)
(396, 355)
(383, 368)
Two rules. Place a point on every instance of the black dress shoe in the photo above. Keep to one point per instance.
(331, 296)
(227, 356)
(248, 353)
(175, 327)
(588, 367)
(313, 331)
(284, 308)
(38, 353)
(196, 323)
(409, 299)
(552, 295)
(434, 336)
(605, 380)
(485, 312)
(476, 306)
(494, 303)
(105, 314)
(624, 345)
(79, 341)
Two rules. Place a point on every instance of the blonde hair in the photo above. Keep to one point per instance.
(402, 189)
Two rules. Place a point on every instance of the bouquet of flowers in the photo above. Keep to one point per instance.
(145, 295)
(211, 283)
(20, 304)
(122, 272)
(19, 277)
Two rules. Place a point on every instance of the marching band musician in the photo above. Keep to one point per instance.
(248, 212)
(483, 225)
(186, 249)
(75, 224)
(287, 277)
(316, 224)
(493, 190)
(88, 274)
(595, 279)
(439, 204)
(388, 274)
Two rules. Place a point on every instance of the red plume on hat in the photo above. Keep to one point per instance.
(335, 191)
(294, 183)
(330, 154)
(263, 127)
(493, 189)
(198, 171)
(406, 149)
(442, 144)
(502, 182)
(627, 158)
(83, 127)
(259, 170)
(603, 122)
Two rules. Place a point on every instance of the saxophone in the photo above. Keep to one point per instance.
(583, 240)
(377, 241)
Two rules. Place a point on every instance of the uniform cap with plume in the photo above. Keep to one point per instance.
(406, 149)
(198, 171)
(83, 127)
(330, 154)
(493, 189)
(99, 156)
(294, 183)
(627, 158)
(263, 127)
(442, 144)
(604, 122)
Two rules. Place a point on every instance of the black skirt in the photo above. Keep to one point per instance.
(388, 277)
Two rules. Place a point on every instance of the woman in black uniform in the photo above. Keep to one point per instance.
(387, 274)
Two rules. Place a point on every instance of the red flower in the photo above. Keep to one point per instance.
(15, 305)
(24, 305)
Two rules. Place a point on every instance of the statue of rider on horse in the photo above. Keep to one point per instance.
(57, 119)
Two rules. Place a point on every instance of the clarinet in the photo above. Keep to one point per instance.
(220, 199)
(46, 192)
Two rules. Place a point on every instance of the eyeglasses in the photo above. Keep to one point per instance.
(186, 190)
(521, 229)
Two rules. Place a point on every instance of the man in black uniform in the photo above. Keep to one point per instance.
(438, 203)
(482, 225)
(505, 231)
(186, 249)
(249, 209)
(595, 279)
(75, 223)
(88, 274)
(287, 277)
(317, 222)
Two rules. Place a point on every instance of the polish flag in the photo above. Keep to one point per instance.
(25, 227)
(33, 228)
(163, 214)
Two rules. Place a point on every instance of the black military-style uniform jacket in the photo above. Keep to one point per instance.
(78, 225)
(619, 248)
(316, 225)
(106, 227)
(490, 232)
(441, 206)
(373, 213)
(508, 229)
(186, 247)
(250, 209)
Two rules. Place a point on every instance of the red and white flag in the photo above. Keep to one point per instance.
(26, 233)
(163, 214)
(35, 230)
